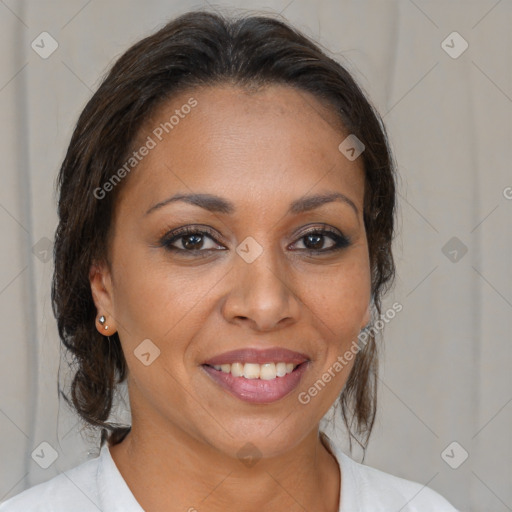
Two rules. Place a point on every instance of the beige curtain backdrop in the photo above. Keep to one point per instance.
(441, 75)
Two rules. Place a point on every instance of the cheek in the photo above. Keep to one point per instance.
(157, 311)
(338, 301)
(340, 297)
(152, 297)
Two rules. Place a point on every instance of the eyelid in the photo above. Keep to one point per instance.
(340, 240)
(172, 235)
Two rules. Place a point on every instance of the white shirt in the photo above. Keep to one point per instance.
(97, 485)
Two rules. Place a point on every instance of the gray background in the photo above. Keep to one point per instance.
(445, 373)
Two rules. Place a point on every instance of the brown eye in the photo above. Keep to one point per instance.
(193, 242)
(314, 241)
(190, 240)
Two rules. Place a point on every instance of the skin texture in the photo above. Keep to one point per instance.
(261, 150)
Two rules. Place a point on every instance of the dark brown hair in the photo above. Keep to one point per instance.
(200, 48)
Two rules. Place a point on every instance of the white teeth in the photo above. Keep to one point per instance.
(237, 369)
(266, 371)
(251, 371)
(281, 369)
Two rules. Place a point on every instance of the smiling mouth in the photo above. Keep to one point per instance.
(252, 371)
(258, 383)
(257, 375)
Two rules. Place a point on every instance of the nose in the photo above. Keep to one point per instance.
(261, 294)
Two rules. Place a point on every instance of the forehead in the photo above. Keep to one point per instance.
(254, 144)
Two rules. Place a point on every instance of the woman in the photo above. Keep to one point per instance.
(226, 217)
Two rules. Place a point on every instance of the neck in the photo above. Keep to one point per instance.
(170, 470)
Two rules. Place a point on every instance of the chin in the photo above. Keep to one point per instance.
(259, 438)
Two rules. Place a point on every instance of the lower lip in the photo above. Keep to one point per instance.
(258, 391)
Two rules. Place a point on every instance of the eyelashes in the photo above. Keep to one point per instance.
(189, 237)
(191, 241)
(317, 237)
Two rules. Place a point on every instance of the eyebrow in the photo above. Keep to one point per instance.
(217, 204)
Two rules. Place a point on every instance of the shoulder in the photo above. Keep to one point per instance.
(377, 490)
(75, 489)
(365, 488)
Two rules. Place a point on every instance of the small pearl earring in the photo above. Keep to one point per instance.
(102, 321)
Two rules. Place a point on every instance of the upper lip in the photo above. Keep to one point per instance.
(259, 356)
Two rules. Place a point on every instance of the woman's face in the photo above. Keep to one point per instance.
(267, 268)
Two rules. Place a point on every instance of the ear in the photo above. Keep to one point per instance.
(100, 279)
